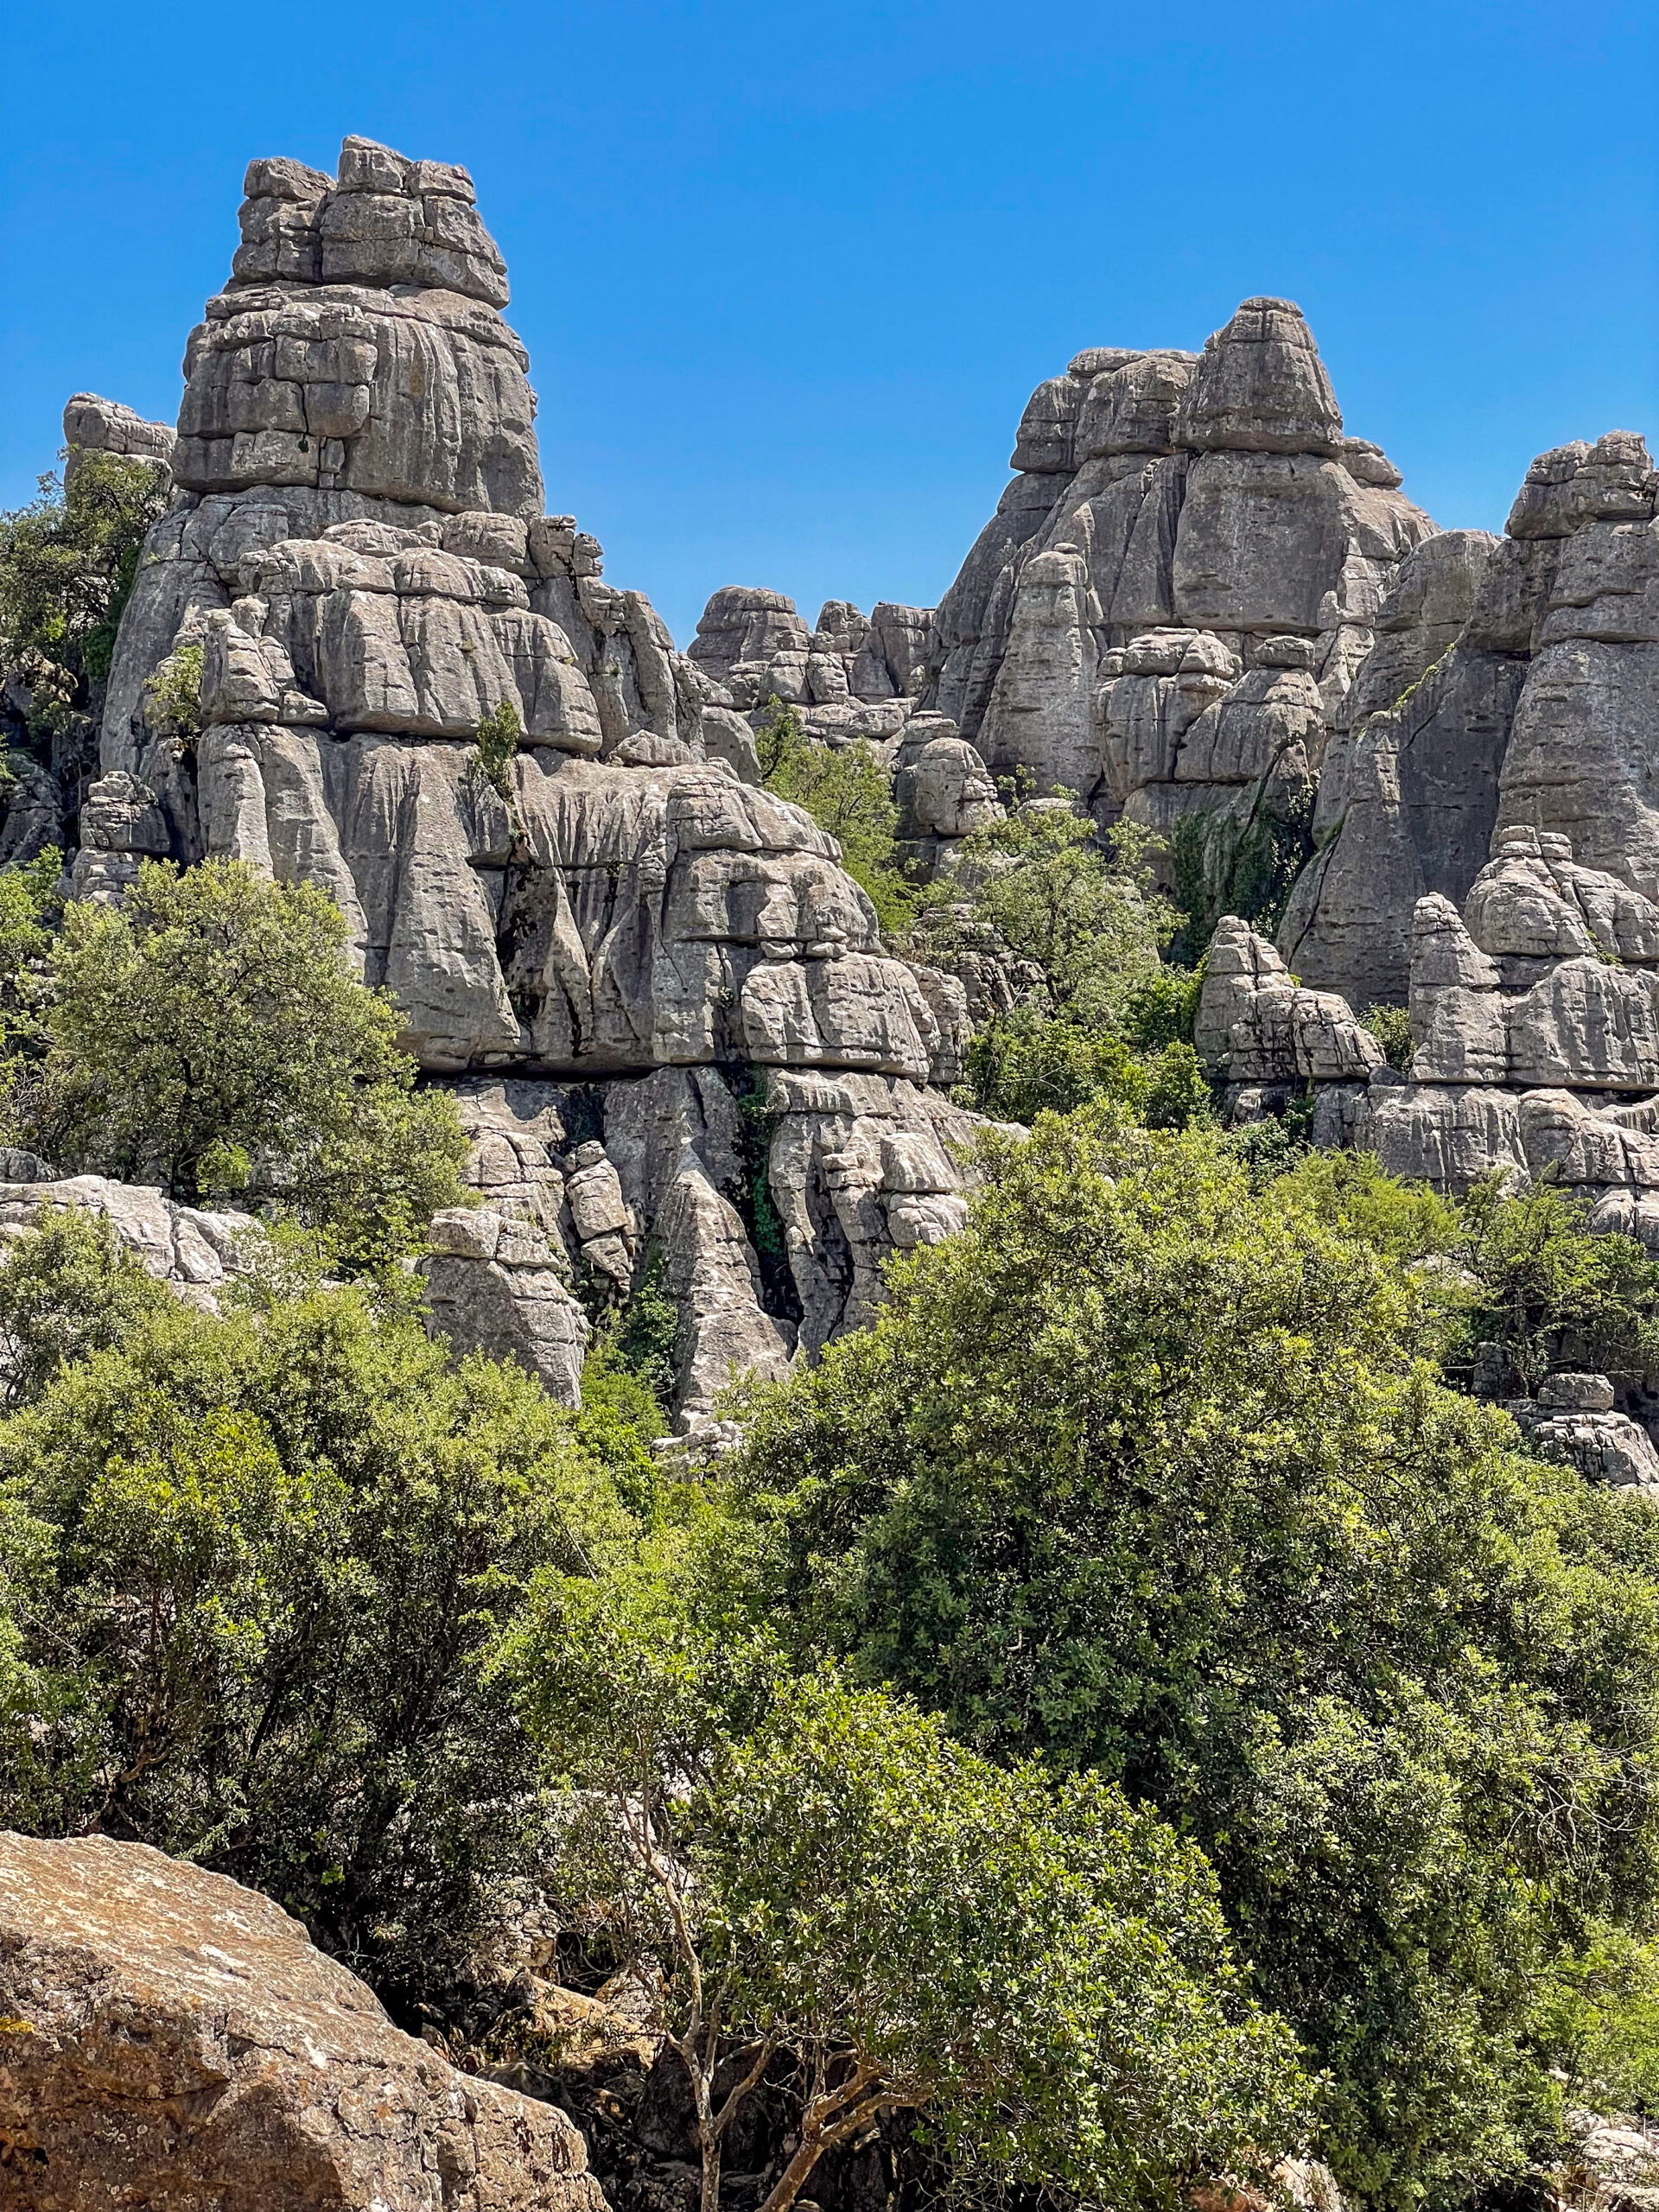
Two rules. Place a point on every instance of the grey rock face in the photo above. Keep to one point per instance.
(1512, 684)
(195, 1252)
(95, 425)
(1163, 493)
(852, 677)
(357, 546)
(852, 1166)
(1255, 1024)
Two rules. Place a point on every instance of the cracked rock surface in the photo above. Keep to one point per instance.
(170, 2038)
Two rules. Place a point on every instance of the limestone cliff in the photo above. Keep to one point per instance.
(667, 962)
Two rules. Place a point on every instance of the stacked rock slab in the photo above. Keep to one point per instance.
(854, 675)
(195, 1252)
(357, 547)
(1514, 683)
(1535, 1036)
(1176, 589)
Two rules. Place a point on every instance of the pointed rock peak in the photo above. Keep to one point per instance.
(1260, 387)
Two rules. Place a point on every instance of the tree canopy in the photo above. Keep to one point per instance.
(1150, 1474)
(207, 1035)
(1040, 1969)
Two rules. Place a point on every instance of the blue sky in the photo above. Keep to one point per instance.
(787, 273)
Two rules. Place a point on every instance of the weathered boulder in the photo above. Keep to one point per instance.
(168, 2037)
(196, 1252)
(1255, 1024)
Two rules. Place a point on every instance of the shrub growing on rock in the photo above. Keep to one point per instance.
(208, 1037)
(68, 561)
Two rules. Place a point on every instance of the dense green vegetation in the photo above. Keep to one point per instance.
(249, 1568)
(1080, 930)
(208, 1036)
(68, 563)
(1047, 1976)
(847, 792)
(1150, 1475)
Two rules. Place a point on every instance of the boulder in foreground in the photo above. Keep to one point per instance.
(171, 2040)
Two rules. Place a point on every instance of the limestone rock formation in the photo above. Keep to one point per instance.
(171, 2038)
(1176, 590)
(773, 1208)
(1534, 1019)
(854, 675)
(1573, 1419)
(1512, 685)
(608, 906)
(193, 1251)
(95, 425)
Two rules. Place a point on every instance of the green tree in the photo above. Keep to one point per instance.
(68, 564)
(821, 1873)
(250, 1565)
(846, 791)
(207, 1036)
(1150, 1474)
(1551, 1294)
(1082, 921)
(1078, 927)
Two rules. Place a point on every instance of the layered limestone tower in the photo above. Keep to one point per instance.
(704, 1039)
(1515, 684)
(1175, 591)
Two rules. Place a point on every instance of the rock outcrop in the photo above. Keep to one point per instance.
(167, 2037)
(772, 1205)
(1512, 685)
(1177, 586)
(854, 675)
(607, 904)
(1535, 1037)
(95, 425)
(193, 1251)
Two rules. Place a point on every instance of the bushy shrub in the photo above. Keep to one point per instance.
(803, 1870)
(498, 733)
(207, 1035)
(1150, 1473)
(248, 1568)
(68, 564)
(1391, 1027)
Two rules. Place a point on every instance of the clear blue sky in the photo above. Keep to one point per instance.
(788, 272)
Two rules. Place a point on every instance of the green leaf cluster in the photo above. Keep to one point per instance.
(1149, 1473)
(68, 562)
(1080, 928)
(498, 733)
(207, 1036)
